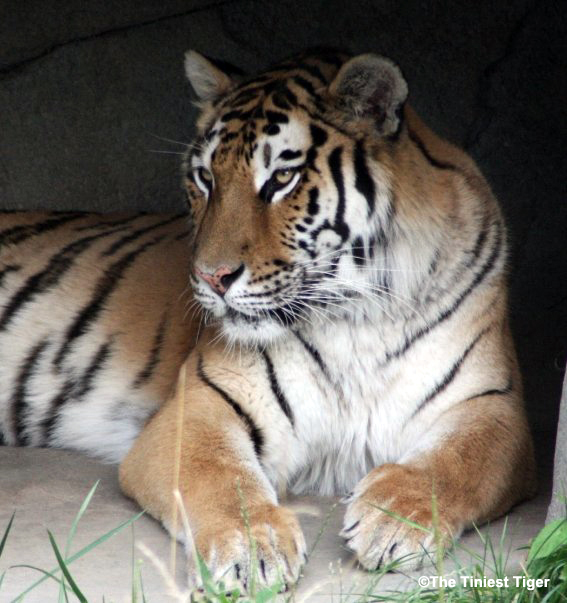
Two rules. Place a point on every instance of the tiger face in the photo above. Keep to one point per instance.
(289, 189)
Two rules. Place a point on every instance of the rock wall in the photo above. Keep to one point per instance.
(91, 91)
(558, 505)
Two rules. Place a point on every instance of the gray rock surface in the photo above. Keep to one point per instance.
(558, 506)
(88, 88)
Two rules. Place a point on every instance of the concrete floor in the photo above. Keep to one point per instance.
(47, 487)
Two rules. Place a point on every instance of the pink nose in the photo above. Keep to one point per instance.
(222, 278)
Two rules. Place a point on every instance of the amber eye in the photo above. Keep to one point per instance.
(283, 177)
(205, 175)
(281, 183)
(203, 179)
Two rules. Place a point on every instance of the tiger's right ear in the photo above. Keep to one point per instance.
(209, 79)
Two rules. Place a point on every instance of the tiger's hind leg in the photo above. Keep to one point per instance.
(475, 473)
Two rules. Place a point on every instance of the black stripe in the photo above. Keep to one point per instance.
(280, 101)
(288, 154)
(358, 252)
(153, 360)
(136, 234)
(276, 389)
(313, 205)
(231, 115)
(442, 165)
(17, 234)
(445, 382)
(182, 236)
(472, 256)
(110, 223)
(479, 243)
(75, 390)
(494, 392)
(318, 138)
(318, 135)
(266, 192)
(48, 278)
(434, 262)
(335, 165)
(253, 430)
(2, 439)
(319, 116)
(19, 398)
(305, 84)
(277, 117)
(103, 289)
(314, 353)
(363, 181)
(289, 95)
(96, 365)
(271, 129)
(451, 310)
(59, 400)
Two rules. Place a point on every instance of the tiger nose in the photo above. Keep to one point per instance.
(222, 278)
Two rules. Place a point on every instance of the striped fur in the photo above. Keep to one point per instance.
(352, 270)
(92, 326)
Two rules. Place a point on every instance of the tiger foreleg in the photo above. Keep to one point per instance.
(471, 474)
(235, 522)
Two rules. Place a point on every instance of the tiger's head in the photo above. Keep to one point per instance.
(288, 183)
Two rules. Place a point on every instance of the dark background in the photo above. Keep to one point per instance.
(87, 87)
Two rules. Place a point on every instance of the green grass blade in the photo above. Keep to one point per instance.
(144, 600)
(63, 592)
(548, 540)
(6, 532)
(105, 537)
(65, 570)
(324, 525)
(86, 549)
(81, 512)
(134, 582)
(71, 535)
(405, 520)
(37, 569)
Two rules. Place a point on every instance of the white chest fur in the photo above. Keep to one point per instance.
(354, 405)
(345, 419)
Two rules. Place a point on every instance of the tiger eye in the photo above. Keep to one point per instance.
(283, 177)
(205, 175)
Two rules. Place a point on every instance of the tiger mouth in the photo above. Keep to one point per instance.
(283, 315)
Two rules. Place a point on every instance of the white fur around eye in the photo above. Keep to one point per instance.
(282, 192)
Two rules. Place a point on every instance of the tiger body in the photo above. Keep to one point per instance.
(86, 360)
(351, 266)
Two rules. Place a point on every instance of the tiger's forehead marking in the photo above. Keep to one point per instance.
(266, 138)
(288, 149)
(267, 154)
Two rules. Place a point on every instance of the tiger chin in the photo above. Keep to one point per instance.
(354, 341)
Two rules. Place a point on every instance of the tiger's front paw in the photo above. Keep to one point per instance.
(271, 550)
(378, 538)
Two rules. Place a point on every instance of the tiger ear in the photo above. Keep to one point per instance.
(209, 79)
(371, 86)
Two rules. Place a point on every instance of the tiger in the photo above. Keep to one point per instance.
(329, 316)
